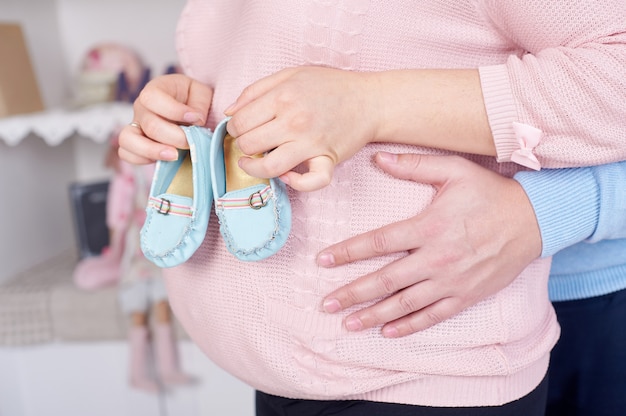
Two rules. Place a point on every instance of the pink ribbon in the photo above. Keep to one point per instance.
(528, 138)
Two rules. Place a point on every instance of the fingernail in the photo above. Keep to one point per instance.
(388, 157)
(229, 109)
(191, 117)
(169, 154)
(284, 179)
(326, 260)
(390, 332)
(354, 324)
(331, 305)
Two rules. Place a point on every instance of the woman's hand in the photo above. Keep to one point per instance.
(311, 116)
(165, 103)
(479, 233)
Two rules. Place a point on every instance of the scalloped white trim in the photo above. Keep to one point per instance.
(95, 122)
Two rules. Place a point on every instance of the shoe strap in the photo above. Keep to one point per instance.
(166, 207)
(256, 200)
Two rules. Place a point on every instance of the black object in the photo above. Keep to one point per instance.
(89, 209)
(123, 92)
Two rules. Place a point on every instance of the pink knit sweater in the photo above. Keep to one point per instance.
(263, 321)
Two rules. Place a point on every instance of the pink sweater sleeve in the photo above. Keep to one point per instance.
(569, 81)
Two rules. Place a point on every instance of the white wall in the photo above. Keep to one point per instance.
(39, 22)
(35, 221)
(36, 224)
(59, 32)
(148, 27)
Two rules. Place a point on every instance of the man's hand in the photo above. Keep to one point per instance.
(479, 233)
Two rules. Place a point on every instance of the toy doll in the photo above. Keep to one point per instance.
(110, 72)
(141, 288)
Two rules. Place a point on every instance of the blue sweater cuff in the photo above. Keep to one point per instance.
(566, 204)
(611, 181)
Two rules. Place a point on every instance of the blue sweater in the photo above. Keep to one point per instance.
(582, 217)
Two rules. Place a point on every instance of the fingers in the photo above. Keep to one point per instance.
(251, 117)
(319, 175)
(160, 130)
(404, 235)
(137, 148)
(167, 102)
(460, 250)
(390, 279)
(265, 138)
(255, 106)
(176, 98)
(162, 106)
(254, 91)
(393, 238)
(423, 318)
(434, 170)
(133, 158)
(411, 301)
(199, 100)
(280, 162)
(408, 311)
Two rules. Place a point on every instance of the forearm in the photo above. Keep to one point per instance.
(439, 108)
(473, 111)
(564, 77)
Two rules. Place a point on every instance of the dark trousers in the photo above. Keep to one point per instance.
(588, 364)
(532, 404)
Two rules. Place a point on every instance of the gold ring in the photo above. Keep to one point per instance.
(135, 124)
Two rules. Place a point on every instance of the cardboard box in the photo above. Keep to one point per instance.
(19, 92)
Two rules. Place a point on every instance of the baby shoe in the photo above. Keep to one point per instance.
(255, 215)
(179, 204)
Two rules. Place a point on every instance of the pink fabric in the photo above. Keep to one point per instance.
(263, 321)
(168, 364)
(97, 272)
(140, 360)
(528, 138)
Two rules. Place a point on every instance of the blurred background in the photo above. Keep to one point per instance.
(69, 70)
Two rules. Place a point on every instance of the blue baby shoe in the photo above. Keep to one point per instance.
(255, 219)
(179, 203)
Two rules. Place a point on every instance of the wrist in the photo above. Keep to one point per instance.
(526, 222)
(373, 112)
(566, 204)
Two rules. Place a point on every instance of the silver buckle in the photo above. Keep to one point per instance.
(164, 207)
(257, 206)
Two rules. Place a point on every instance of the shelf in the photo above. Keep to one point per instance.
(96, 122)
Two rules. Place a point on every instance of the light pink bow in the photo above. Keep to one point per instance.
(528, 137)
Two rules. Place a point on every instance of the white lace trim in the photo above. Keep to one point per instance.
(95, 122)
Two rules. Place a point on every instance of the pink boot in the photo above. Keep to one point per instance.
(97, 272)
(167, 356)
(139, 360)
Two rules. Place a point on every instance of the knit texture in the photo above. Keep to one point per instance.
(263, 321)
(584, 206)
